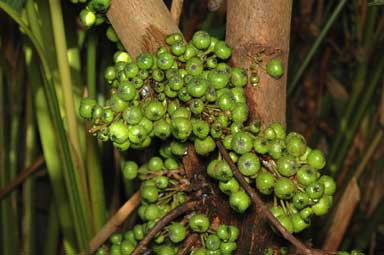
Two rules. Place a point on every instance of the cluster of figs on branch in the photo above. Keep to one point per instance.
(186, 93)
(183, 94)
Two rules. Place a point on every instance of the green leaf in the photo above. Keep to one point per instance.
(16, 5)
(376, 2)
(315, 46)
(77, 196)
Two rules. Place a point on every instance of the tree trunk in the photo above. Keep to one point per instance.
(141, 25)
(252, 25)
(147, 31)
(259, 27)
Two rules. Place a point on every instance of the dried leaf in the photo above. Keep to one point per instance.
(342, 216)
(336, 89)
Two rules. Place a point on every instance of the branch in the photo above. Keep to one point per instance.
(114, 223)
(21, 177)
(187, 244)
(141, 25)
(262, 208)
(181, 209)
(254, 25)
(176, 10)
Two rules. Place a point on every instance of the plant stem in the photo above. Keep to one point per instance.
(187, 244)
(370, 227)
(91, 64)
(21, 177)
(178, 211)
(176, 10)
(48, 141)
(52, 231)
(29, 226)
(6, 204)
(66, 85)
(15, 83)
(315, 46)
(358, 85)
(114, 223)
(72, 179)
(262, 208)
(94, 171)
(64, 69)
(96, 185)
(363, 105)
(369, 153)
(55, 173)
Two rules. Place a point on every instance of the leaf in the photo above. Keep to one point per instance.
(342, 216)
(76, 195)
(376, 2)
(16, 5)
(315, 46)
(336, 89)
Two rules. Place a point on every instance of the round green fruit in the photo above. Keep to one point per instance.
(199, 223)
(239, 201)
(177, 232)
(284, 188)
(275, 68)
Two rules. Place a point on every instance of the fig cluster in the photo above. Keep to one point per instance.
(164, 186)
(187, 93)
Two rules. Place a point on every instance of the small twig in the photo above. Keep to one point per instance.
(176, 10)
(262, 208)
(187, 244)
(181, 209)
(22, 176)
(116, 182)
(114, 223)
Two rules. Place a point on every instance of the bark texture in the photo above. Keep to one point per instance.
(252, 25)
(141, 25)
(259, 27)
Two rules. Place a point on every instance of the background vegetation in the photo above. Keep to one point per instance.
(335, 98)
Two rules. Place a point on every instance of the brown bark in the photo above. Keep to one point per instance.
(115, 222)
(342, 216)
(176, 10)
(260, 27)
(253, 26)
(141, 25)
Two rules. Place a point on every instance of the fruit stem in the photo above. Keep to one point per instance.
(187, 244)
(262, 208)
(178, 211)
